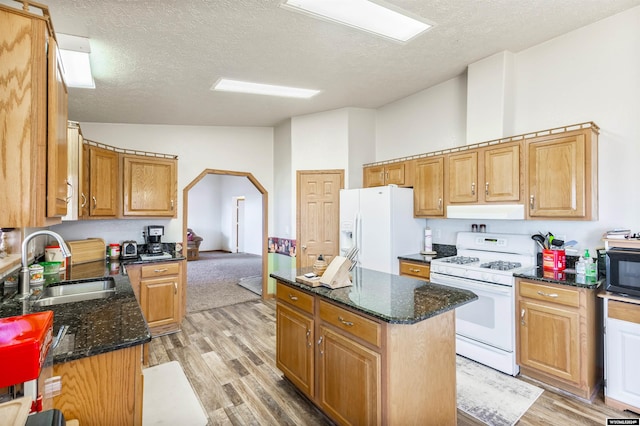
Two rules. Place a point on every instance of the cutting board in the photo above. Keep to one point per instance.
(16, 411)
(89, 250)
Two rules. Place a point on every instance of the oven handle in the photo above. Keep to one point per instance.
(471, 285)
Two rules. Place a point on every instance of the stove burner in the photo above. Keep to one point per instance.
(460, 260)
(501, 265)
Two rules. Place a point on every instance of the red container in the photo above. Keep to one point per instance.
(554, 260)
(24, 343)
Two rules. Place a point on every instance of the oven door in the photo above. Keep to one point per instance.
(487, 320)
(623, 272)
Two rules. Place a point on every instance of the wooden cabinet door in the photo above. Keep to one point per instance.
(149, 186)
(394, 174)
(373, 176)
(103, 182)
(295, 348)
(428, 191)
(463, 177)
(349, 380)
(502, 173)
(557, 177)
(56, 135)
(160, 300)
(549, 339)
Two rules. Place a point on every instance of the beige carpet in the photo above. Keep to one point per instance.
(212, 280)
(169, 399)
(490, 396)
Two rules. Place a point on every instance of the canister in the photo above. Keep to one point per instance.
(554, 260)
(114, 251)
(36, 274)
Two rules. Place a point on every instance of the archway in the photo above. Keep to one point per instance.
(263, 192)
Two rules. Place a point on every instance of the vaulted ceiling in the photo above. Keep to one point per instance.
(154, 61)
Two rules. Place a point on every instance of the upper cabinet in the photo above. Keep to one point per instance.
(486, 175)
(99, 197)
(33, 114)
(149, 186)
(563, 175)
(398, 173)
(428, 190)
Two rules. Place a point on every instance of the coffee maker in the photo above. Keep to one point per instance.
(154, 239)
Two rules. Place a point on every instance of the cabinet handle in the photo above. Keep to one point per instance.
(522, 317)
(95, 202)
(347, 323)
(84, 199)
(69, 184)
(320, 343)
(439, 203)
(486, 188)
(473, 188)
(157, 271)
(414, 270)
(171, 204)
(532, 201)
(292, 297)
(176, 288)
(547, 294)
(308, 334)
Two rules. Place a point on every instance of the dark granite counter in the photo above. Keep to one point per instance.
(442, 250)
(390, 298)
(93, 326)
(567, 277)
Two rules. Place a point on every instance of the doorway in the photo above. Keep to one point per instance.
(238, 224)
(258, 228)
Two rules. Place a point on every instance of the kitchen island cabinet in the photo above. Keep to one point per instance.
(32, 120)
(381, 351)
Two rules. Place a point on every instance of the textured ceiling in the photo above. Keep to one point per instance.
(154, 61)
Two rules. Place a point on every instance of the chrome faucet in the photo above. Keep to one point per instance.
(24, 272)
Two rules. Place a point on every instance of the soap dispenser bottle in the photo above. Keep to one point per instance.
(581, 265)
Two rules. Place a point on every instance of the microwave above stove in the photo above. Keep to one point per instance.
(623, 271)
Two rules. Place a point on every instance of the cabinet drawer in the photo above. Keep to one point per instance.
(294, 297)
(622, 311)
(419, 270)
(160, 269)
(359, 326)
(562, 296)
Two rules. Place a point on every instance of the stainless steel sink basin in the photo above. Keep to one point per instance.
(76, 291)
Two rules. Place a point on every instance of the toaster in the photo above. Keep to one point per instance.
(129, 250)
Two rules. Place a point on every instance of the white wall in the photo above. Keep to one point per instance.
(283, 184)
(426, 121)
(232, 187)
(243, 149)
(361, 141)
(204, 215)
(591, 74)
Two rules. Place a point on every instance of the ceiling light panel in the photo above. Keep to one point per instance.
(364, 15)
(74, 52)
(226, 85)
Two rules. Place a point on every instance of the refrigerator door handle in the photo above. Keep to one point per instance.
(358, 236)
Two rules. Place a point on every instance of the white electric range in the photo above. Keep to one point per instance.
(485, 264)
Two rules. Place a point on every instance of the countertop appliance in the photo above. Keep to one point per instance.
(26, 356)
(485, 264)
(154, 239)
(379, 222)
(623, 269)
(129, 250)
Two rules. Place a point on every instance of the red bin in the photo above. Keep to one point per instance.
(554, 260)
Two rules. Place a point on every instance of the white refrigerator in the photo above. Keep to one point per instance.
(380, 222)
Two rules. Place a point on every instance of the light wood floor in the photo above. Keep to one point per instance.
(228, 354)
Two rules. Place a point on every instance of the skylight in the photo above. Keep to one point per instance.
(364, 15)
(226, 85)
(75, 52)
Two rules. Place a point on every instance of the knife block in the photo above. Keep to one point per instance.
(337, 273)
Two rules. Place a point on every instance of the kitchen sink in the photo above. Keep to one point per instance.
(76, 291)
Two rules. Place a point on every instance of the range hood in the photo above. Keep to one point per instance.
(484, 211)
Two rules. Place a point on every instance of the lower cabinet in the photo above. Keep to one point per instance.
(557, 336)
(102, 389)
(159, 290)
(622, 346)
(415, 269)
(362, 371)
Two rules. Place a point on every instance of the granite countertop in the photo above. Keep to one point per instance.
(421, 258)
(390, 298)
(567, 277)
(94, 326)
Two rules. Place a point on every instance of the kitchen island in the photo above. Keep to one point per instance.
(381, 351)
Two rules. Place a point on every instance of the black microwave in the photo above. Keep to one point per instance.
(623, 271)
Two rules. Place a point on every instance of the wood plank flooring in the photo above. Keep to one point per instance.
(228, 355)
